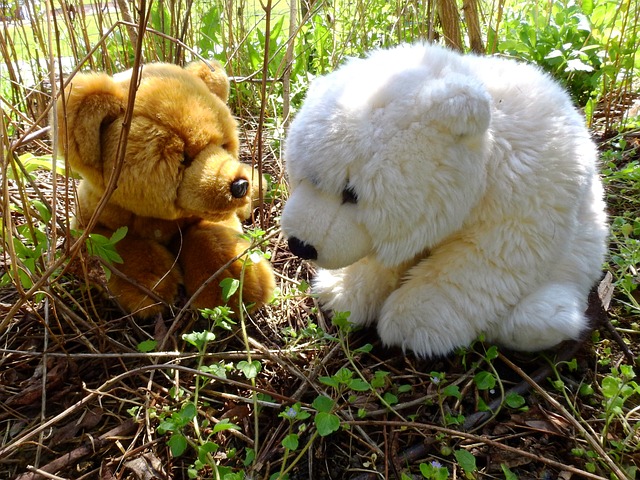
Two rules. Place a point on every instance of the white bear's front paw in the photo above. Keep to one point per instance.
(360, 289)
(428, 328)
(423, 340)
(335, 293)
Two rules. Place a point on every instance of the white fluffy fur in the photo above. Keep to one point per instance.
(479, 210)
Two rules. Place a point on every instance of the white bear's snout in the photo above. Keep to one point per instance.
(302, 249)
(322, 229)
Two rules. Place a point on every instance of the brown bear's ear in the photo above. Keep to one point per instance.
(92, 101)
(213, 75)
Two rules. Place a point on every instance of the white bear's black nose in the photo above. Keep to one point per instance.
(302, 250)
(239, 188)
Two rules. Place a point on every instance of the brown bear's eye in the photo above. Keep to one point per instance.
(349, 195)
(186, 159)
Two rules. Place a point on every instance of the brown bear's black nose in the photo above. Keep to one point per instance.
(302, 250)
(239, 188)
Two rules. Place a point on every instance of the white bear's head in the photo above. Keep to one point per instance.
(386, 157)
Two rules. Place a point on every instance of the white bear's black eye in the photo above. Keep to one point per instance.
(349, 195)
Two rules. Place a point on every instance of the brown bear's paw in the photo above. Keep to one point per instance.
(205, 250)
(257, 285)
(150, 278)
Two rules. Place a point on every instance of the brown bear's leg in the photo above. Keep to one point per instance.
(205, 249)
(151, 265)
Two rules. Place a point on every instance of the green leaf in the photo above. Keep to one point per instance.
(627, 372)
(166, 426)
(205, 449)
(482, 405)
(379, 379)
(514, 400)
(587, 7)
(573, 364)
(364, 349)
(451, 419)
(610, 386)
(250, 457)
(467, 461)
(508, 474)
(118, 235)
(229, 288)
(178, 444)
(405, 388)
(344, 375)
(326, 423)
(341, 320)
(290, 441)
(187, 413)
(32, 162)
(225, 424)
(323, 404)
(43, 210)
(103, 247)
(359, 385)
(250, 369)
(484, 380)
(390, 398)
(492, 353)
(452, 391)
(586, 389)
(217, 369)
(329, 381)
(147, 346)
(199, 339)
(274, 476)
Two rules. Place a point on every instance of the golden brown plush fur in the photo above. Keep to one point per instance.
(181, 192)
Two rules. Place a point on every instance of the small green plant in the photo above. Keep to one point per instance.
(28, 163)
(30, 246)
(559, 40)
(434, 470)
(105, 247)
(187, 427)
(617, 389)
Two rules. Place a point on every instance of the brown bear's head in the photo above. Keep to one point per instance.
(182, 148)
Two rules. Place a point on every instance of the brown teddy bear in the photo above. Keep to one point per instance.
(181, 192)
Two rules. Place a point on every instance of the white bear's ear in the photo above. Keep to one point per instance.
(91, 101)
(213, 75)
(459, 104)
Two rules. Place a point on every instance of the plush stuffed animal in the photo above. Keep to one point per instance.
(447, 196)
(181, 193)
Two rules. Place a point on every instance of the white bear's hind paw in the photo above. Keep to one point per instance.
(544, 319)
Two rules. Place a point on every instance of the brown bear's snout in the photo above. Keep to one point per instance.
(239, 188)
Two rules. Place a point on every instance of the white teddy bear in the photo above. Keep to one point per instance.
(447, 196)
